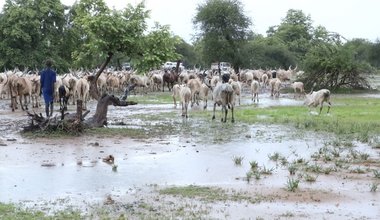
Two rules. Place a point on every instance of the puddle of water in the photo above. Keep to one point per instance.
(175, 161)
(44, 170)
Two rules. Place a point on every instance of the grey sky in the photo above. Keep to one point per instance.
(350, 18)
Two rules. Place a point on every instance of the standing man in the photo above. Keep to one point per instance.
(48, 78)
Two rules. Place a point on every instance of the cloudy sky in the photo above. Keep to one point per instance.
(350, 18)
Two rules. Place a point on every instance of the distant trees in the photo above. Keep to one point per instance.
(88, 34)
(223, 30)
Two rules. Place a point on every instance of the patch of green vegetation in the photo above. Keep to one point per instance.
(10, 212)
(358, 170)
(153, 98)
(54, 134)
(275, 156)
(310, 178)
(292, 168)
(254, 165)
(351, 117)
(238, 160)
(376, 173)
(266, 171)
(210, 194)
(292, 184)
(373, 187)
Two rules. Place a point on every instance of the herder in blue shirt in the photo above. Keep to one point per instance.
(48, 78)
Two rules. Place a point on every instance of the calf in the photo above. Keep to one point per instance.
(63, 97)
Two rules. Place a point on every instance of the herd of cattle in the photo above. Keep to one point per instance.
(189, 86)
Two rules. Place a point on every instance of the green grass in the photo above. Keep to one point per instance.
(238, 160)
(348, 116)
(292, 184)
(211, 194)
(154, 98)
(10, 212)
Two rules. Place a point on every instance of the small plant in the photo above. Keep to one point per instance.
(301, 160)
(283, 161)
(314, 168)
(326, 157)
(275, 156)
(373, 187)
(339, 163)
(358, 170)
(354, 154)
(238, 160)
(328, 170)
(254, 165)
(249, 175)
(364, 156)
(335, 152)
(376, 173)
(292, 184)
(292, 169)
(114, 167)
(310, 178)
(257, 175)
(287, 215)
(266, 171)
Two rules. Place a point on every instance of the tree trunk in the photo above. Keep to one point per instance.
(100, 117)
(177, 66)
(94, 92)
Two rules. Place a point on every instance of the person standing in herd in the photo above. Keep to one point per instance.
(48, 78)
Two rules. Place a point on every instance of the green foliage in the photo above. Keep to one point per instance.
(159, 46)
(31, 31)
(292, 184)
(10, 211)
(263, 52)
(109, 32)
(334, 66)
(295, 31)
(223, 30)
(188, 53)
(374, 54)
(238, 160)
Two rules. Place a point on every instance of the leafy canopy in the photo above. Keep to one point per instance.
(223, 29)
(107, 32)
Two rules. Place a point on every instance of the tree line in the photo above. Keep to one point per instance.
(89, 34)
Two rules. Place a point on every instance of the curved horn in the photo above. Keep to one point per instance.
(6, 78)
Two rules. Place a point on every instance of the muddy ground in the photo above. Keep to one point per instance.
(55, 174)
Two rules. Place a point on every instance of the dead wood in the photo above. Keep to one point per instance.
(100, 117)
(75, 122)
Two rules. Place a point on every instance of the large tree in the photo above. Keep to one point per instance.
(106, 32)
(31, 31)
(295, 31)
(223, 28)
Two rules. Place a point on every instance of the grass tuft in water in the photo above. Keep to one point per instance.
(238, 160)
(376, 173)
(292, 184)
(373, 187)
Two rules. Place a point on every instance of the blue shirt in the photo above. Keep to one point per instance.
(48, 78)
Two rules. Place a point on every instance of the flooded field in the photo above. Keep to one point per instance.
(247, 169)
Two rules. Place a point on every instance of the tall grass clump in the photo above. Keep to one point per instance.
(292, 184)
